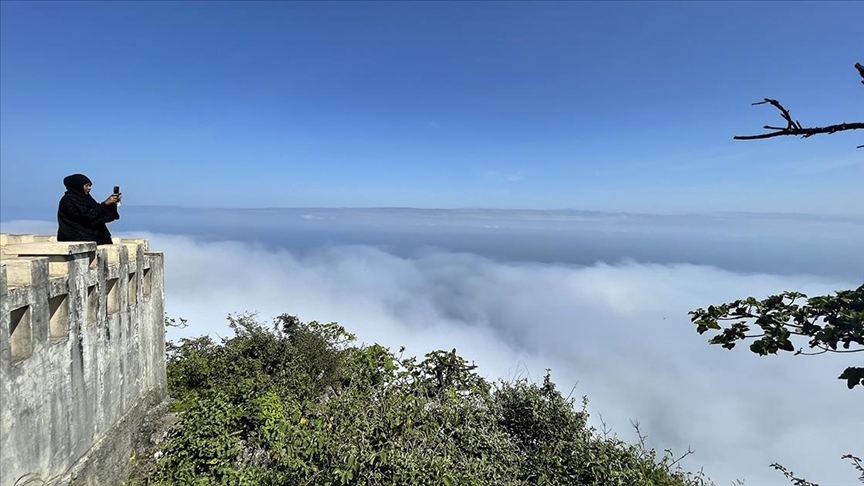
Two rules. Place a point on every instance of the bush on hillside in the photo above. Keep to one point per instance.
(300, 403)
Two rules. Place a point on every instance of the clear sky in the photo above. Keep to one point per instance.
(611, 106)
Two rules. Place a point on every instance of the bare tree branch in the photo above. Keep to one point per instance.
(676, 461)
(793, 127)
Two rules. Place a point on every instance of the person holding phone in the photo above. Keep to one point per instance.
(82, 218)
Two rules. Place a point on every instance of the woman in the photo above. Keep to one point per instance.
(80, 217)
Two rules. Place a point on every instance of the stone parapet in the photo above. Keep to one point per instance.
(81, 344)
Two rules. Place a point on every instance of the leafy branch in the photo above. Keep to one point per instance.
(794, 127)
(834, 323)
(856, 463)
(797, 481)
(792, 477)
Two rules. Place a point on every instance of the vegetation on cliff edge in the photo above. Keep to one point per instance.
(302, 403)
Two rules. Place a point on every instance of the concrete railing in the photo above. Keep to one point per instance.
(81, 346)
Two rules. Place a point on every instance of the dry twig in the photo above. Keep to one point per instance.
(793, 127)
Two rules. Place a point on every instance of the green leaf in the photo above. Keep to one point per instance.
(853, 376)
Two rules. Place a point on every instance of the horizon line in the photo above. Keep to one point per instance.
(847, 216)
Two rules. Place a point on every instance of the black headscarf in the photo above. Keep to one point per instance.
(75, 183)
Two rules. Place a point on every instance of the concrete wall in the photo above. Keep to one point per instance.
(82, 356)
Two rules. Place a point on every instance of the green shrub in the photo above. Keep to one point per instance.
(300, 403)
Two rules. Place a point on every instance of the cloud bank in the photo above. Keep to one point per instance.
(618, 332)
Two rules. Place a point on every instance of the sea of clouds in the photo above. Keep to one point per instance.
(618, 331)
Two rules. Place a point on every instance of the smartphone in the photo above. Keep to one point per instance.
(117, 191)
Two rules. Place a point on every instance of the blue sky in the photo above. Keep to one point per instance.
(603, 106)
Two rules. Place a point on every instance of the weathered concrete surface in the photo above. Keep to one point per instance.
(81, 356)
(110, 460)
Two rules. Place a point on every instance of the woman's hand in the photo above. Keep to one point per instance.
(112, 199)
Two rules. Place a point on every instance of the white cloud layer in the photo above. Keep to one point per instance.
(621, 331)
